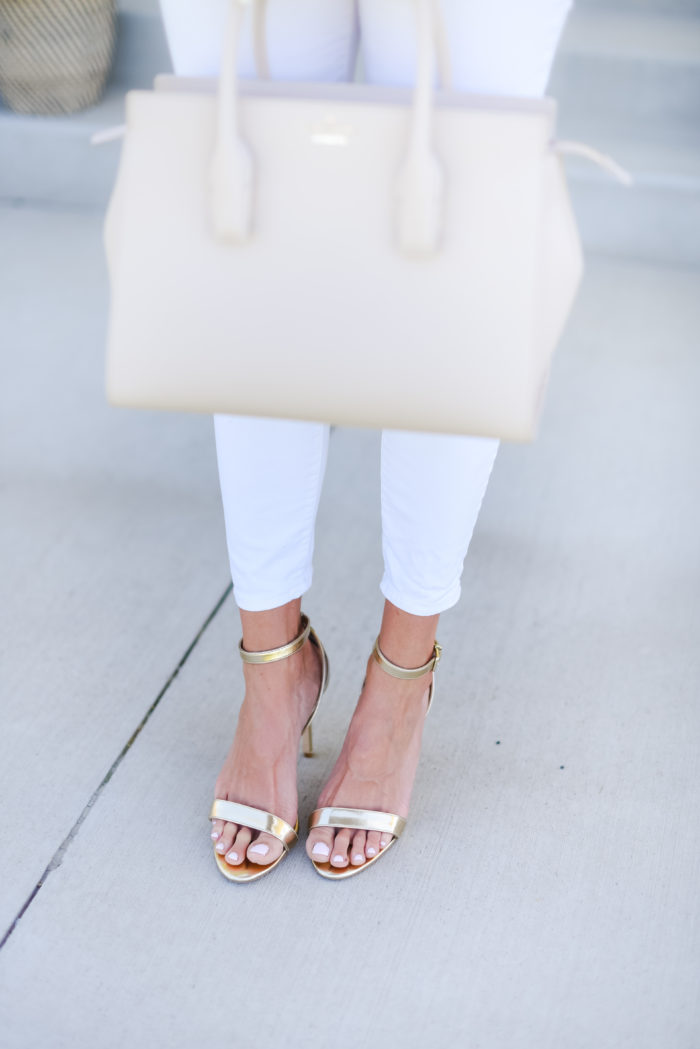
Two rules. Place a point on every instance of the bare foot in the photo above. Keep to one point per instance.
(376, 767)
(261, 767)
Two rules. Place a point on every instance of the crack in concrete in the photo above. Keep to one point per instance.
(57, 858)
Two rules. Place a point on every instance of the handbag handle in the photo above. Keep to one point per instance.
(420, 181)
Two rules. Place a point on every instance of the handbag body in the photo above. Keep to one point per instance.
(344, 253)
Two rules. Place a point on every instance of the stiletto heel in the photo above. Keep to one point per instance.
(258, 819)
(369, 819)
(307, 742)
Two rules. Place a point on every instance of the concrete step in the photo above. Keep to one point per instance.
(49, 160)
(143, 6)
(657, 219)
(142, 49)
(632, 75)
(684, 8)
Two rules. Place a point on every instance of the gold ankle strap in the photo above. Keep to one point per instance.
(404, 672)
(271, 655)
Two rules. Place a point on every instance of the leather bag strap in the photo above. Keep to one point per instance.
(231, 169)
(420, 182)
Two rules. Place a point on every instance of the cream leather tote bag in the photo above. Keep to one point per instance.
(345, 253)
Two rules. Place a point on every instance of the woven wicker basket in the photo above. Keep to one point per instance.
(55, 55)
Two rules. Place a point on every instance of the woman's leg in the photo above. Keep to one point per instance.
(432, 489)
(432, 485)
(270, 470)
(305, 39)
(503, 47)
(270, 473)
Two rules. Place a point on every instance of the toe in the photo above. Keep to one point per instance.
(372, 846)
(226, 837)
(240, 843)
(357, 849)
(319, 843)
(339, 849)
(265, 849)
(384, 840)
(216, 828)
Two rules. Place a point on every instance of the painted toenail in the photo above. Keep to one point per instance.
(358, 857)
(221, 847)
(320, 849)
(371, 851)
(232, 857)
(338, 859)
(215, 834)
(260, 850)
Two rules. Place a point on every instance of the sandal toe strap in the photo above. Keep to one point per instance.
(256, 819)
(358, 819)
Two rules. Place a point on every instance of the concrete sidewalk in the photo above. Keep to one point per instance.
(546, 892)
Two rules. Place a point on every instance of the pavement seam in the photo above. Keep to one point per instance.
(57, 858)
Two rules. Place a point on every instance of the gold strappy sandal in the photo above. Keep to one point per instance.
(258, 819)
(368, 819)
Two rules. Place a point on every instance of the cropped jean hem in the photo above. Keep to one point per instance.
(417, 608)
(261, 602)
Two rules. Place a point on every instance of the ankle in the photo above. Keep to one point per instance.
(405, 639)
(287, 675)
(407, 653)
(288, 684)
(399, 698)
(271, 628)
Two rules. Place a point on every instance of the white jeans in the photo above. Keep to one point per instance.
(271, 471)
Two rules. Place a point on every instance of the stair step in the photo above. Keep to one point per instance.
(49, 159)
(657, 219)
(683, 8)
(142, 6)
(636, 76)
(142, 49)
